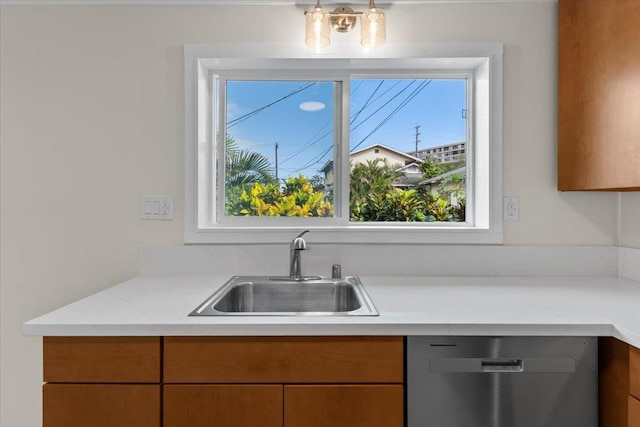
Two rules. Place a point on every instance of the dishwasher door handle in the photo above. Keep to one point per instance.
(505, 365)
(502, 365)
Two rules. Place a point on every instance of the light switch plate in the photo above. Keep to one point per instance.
(156, 207)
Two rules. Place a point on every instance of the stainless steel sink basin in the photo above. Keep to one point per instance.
(264, 296)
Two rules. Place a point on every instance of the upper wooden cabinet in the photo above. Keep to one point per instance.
(599, 95)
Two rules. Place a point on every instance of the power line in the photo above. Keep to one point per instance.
(412, 95)
(315, 160)
(309, 144)
(370, 101)
(247, 116)
(403, 103)
(318, 158)
(384, 105)
(353, 119)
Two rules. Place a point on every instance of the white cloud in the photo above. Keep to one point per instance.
(312, 106)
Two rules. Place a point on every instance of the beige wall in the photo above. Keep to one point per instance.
(630, 220)
(92, 117)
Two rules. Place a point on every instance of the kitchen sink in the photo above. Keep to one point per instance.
(266, 296)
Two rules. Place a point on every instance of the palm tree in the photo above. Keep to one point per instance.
(373, 177)
(245, 166)
(370, 183)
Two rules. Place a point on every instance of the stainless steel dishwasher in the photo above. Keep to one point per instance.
(502, 381)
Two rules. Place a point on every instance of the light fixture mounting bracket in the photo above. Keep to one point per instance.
(343, 19)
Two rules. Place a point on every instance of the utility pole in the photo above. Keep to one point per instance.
(276, 162)
(417, 140)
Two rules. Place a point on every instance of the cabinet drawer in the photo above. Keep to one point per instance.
(222, 405)
(343, 405)
(634, 372)
(634, 412)
(101, 359)
(101, 405)
(283, 359)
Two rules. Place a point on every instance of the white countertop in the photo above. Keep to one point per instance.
(580, 306)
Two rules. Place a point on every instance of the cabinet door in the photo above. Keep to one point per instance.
(598, 94)
(101, 405)
(613, 382)
(634, 372)
(222, 405)
(343, 406)
(634, 412)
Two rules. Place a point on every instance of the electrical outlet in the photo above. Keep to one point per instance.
(156, 207)
(511, 208)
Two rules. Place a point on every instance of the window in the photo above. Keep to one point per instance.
(346, 146)
(277, 133)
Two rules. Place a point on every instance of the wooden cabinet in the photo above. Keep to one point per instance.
(205, 405)
(634, 372)
(320, 381)
(343, 405)
(283, 359)
(599, 95)
(101, 359)
(222, 405)
(634, 387)
(101, 381)
(619, 366)
(634, 412)
(101, 405)
(223, 381)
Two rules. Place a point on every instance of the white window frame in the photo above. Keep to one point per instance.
(483, 62)
(290, 73)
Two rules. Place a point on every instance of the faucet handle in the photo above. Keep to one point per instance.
(302, 234)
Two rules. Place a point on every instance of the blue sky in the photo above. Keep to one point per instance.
(291, 113)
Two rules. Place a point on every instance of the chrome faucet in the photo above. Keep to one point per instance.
(297, 244)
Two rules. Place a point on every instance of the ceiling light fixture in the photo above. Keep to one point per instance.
(373, 31)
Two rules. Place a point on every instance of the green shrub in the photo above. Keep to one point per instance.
(295, 198)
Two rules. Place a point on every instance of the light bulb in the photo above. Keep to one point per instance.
(373, 32)
(318, 30)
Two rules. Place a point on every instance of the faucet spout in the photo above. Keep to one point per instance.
(297, 244)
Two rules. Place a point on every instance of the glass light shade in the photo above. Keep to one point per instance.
(318, 29)
(373, 28)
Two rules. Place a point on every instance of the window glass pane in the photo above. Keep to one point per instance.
(408, 150)
(279, 134)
